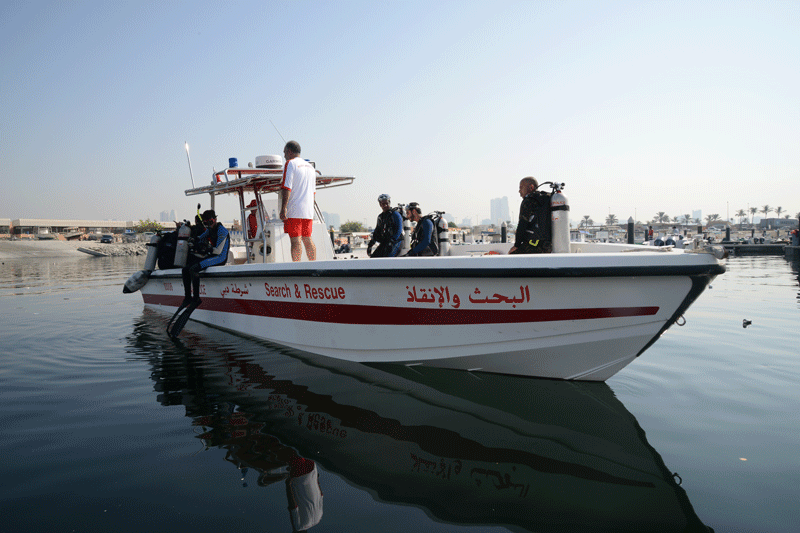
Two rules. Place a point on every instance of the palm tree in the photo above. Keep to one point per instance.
(687, 219)
(778, 211)
(659, 216)
(611, 220)
(741, 213)
(766, 209)
(587, 220)
(753, 211)
(711, 218)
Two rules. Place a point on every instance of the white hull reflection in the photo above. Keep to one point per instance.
(541, 455)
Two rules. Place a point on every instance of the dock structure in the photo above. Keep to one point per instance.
(754, 249)
(68, 227)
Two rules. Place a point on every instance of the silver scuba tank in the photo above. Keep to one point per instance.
(560, 221)
(406, 235)
(443, 237)
(182, 247)
(136, 281)
(152, 253)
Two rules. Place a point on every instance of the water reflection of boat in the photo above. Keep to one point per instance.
(540, 455)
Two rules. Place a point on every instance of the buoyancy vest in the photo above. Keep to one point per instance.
(166, 250)
(417, 235)
(535, 221)
(389, 227)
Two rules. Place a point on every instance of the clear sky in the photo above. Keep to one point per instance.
(639, 107)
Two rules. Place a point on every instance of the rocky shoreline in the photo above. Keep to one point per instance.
(56, 248)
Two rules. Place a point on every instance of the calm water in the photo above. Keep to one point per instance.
(108, 425)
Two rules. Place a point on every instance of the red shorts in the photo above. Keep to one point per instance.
(297, 227)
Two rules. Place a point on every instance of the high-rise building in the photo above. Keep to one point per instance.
(332, 219)
(499, 212)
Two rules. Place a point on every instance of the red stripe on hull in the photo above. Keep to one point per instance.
(399, 316)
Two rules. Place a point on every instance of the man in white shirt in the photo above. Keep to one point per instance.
(298, 188)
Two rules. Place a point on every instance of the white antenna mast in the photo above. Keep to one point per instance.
(190, 163)
(276, 129)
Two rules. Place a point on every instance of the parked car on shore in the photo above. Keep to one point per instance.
(107, 239)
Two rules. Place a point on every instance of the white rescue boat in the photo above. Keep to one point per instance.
(581, 313)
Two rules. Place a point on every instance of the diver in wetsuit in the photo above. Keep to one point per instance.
(216, 239)
(388, 231)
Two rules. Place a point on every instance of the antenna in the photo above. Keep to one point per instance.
(276, 129)
(190, 162)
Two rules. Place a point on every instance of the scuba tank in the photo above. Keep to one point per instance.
(560, 220)
(140, 279)
(182, 248)
(406, 235)
(136, 281)
(442, 235)
(152, 253)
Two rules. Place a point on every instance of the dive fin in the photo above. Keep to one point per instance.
(183, 318)
(186, 301)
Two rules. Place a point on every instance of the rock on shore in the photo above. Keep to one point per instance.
(55, 248)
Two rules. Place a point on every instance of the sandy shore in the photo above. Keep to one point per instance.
(29, 249)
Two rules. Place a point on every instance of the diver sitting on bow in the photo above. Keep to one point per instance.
(388, 230)
(211, 249)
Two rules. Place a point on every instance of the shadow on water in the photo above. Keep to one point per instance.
(538, 455)
(794, 262)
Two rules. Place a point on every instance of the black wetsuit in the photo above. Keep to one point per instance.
(534, 234)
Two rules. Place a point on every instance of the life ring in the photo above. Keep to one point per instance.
(492, 252)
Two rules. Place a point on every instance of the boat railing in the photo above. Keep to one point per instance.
(232, 180)
(238, 181)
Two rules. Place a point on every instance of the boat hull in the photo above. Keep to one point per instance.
(563, 317)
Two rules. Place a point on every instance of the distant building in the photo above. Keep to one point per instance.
(449, 218)
(163, 216)
(34, 226)
(697, 215)
(498, 210)
(172, 215)
(776, 223)
(466, 223)
(332, 219)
